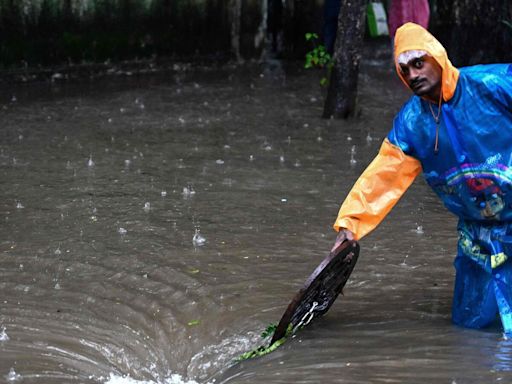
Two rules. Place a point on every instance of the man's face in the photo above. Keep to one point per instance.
(423, 75)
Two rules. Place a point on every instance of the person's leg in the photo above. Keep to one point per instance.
(503, 291)
(474, 300)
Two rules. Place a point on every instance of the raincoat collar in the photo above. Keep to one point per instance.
(412, 36)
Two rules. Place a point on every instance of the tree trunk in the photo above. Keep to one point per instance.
(260, 39)
(342, 91)
(235, 7)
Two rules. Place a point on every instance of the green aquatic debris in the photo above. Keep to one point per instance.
(263, 350)
(269, 331)
(193, 322)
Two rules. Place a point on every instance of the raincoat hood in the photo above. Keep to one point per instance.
(412, 36)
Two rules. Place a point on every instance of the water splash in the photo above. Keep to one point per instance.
(3, 335)
(198, 240)
(122, 231)
(173, 379)
(90, 162)
(19, 205)
(419, 230)
(13, 376)
(147, 206)
(188, 192)
(353, 161)
(163, 193)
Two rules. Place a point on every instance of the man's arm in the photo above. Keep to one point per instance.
(376, 192)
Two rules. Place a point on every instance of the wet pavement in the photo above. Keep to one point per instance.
(152, 226)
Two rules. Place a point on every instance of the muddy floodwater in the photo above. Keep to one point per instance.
(152, 226)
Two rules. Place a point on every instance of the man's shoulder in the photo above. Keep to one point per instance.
(487, 69)
(487, 78)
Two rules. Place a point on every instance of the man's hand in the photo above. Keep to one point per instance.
(343, 234)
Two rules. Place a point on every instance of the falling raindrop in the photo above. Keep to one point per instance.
(369, 138)
(181, 120)
(297, 163)
(109, 120)
(319, 139)
(281, 159)
(349, 138)
(198, 240)
(14, 99)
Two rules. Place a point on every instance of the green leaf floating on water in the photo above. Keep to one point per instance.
(261, 351)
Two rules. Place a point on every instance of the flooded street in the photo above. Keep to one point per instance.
(153, 226)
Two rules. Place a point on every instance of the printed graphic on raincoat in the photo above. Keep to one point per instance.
(471, 171)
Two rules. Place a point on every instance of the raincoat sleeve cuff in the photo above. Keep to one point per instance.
(377, 190)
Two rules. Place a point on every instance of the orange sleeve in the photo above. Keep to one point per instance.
(377, 190)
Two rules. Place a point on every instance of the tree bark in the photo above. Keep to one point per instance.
(342, 91)
(235, 7)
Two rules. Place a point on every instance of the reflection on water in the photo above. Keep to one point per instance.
(153, 227)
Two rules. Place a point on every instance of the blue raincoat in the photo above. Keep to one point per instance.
(468, 165)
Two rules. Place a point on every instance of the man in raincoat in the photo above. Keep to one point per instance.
(457, 130)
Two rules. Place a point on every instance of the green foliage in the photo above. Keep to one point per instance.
(262, 350)
(269, 331)
(318, 57)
